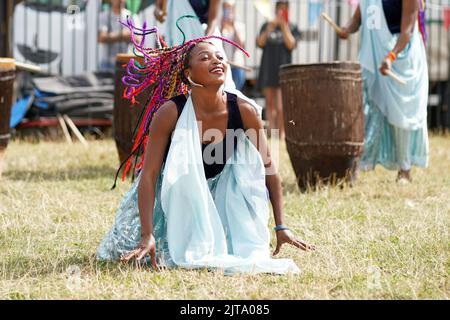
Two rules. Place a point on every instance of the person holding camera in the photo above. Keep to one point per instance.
(277, 38)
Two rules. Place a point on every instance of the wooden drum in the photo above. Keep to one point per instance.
(125, 114)
(7, 76)
(324, 120)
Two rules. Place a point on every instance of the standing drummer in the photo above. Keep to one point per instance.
(393, 39)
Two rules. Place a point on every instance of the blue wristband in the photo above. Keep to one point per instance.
(280, 227)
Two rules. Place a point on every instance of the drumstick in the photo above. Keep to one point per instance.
(395, 77)
(27, 67)
(75, 130)
(233, 64)
(328, 19)
(338, 30)
(64, 129)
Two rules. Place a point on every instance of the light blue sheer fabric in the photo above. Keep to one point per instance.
(396, 115)
(219, 223)
(125, 233)
(392, 147)
(191, 27)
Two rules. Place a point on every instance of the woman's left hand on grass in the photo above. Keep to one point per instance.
(286, 236)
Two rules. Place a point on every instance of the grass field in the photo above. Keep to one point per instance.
(377, 240)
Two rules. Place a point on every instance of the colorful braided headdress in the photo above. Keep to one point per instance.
(160, 74)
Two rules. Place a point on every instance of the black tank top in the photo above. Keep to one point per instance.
(234, 123)
(393, 13)
(201, 8)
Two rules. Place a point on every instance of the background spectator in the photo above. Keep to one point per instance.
(234, 30)
(277, 38)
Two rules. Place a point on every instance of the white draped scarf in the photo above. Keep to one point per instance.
(229, 229)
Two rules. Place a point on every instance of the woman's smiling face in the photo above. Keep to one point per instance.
(207, 65)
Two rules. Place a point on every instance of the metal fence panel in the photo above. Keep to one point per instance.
(61, 35)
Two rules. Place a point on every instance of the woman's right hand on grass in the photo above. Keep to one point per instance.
(146, 246)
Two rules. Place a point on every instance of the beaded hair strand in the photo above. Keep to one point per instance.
(422, 21)
(160, 74)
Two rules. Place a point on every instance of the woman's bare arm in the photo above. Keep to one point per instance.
(160, 130)
(213, 16)
(238, 38)
(113, 37)
(262, 38)
(289, 40)
(159, 13)
(410, 12)
(255, 132)
(352, 26)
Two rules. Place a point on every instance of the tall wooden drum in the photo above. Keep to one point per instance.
(125, 114)
(324, 120)
(7, 76)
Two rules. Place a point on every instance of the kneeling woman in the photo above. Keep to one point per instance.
(202, 202)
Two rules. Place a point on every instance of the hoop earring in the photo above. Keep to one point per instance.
(193, 83)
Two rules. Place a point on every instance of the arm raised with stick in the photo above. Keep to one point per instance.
(352, 27)
(410, 12)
